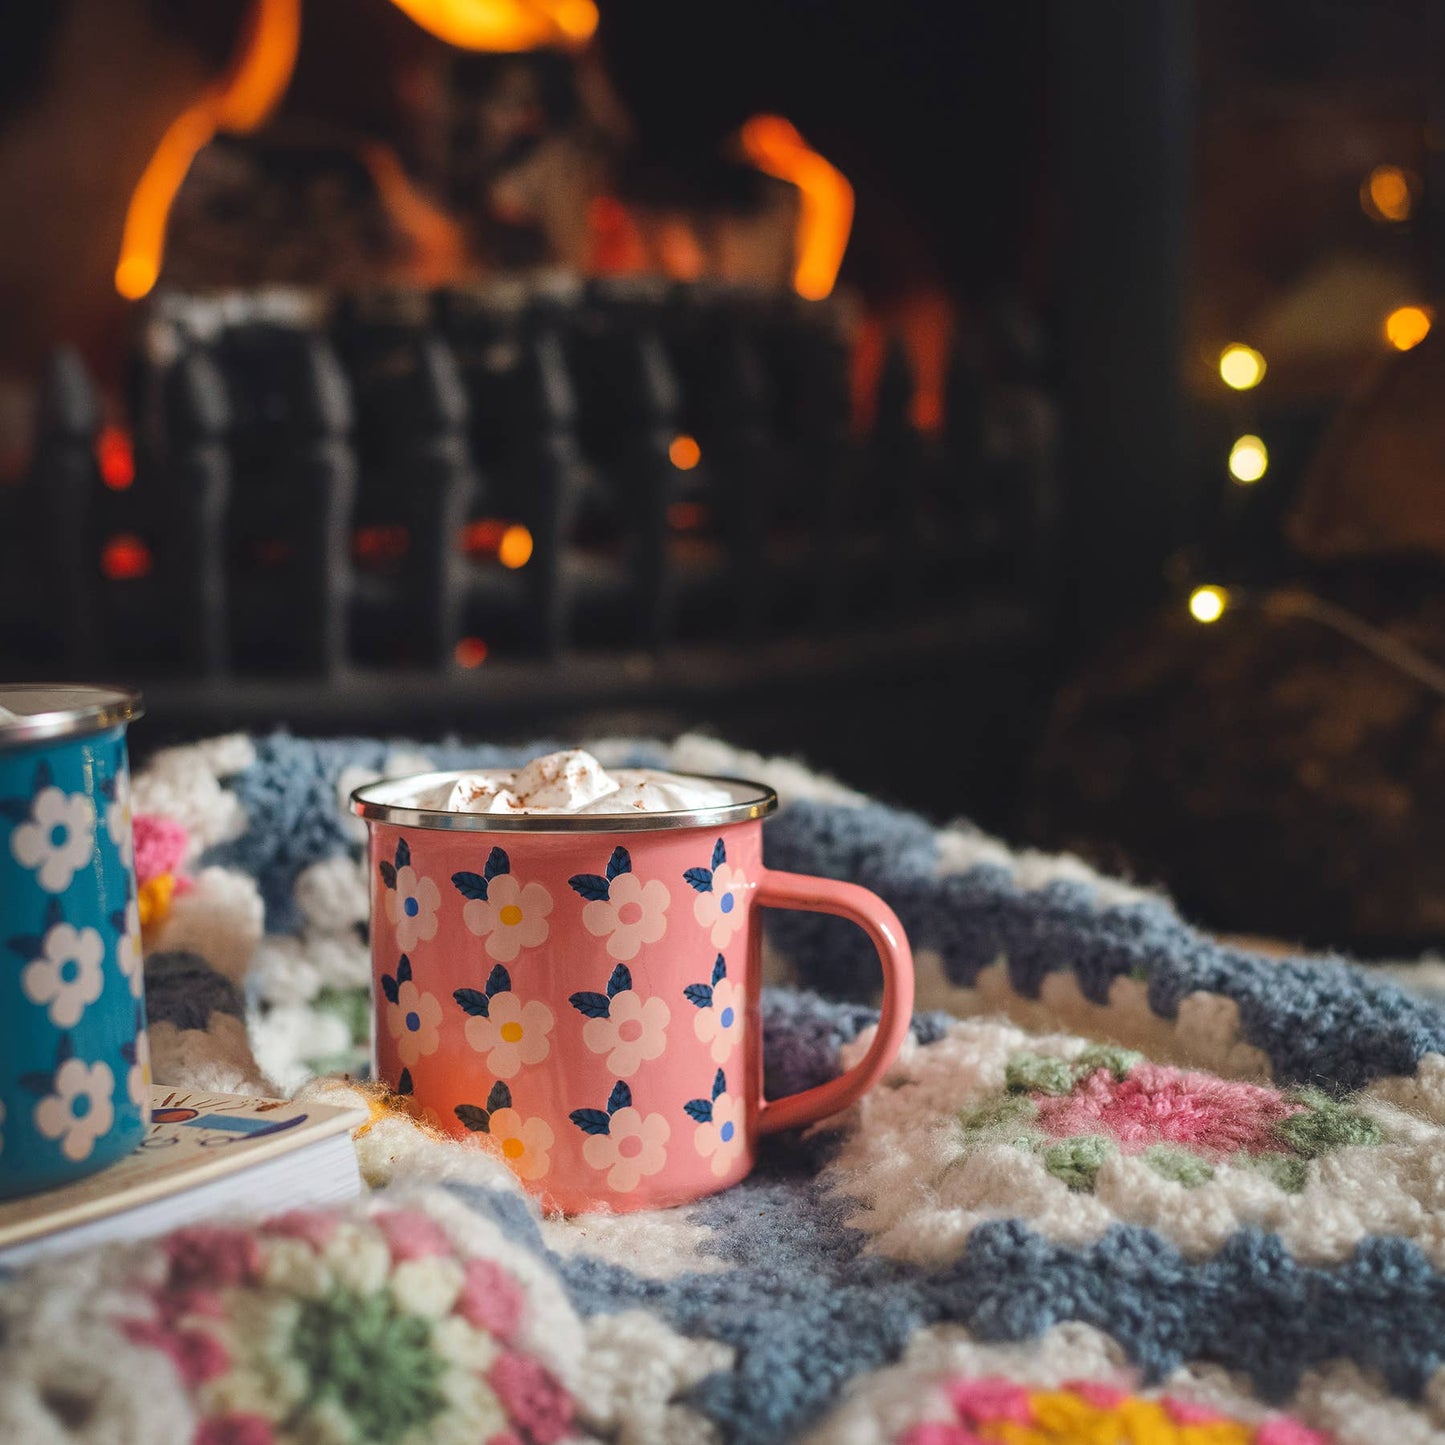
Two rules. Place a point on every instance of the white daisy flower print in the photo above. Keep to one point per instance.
(508, 915)
(67, 976)
(524, 1143)
(79, 1110)
(630, 1145)
(719, 1018)
(118, 815)
(411, 900)
(629, 1029)
(128, 948)
(621, 908)
(719, 1137)
(722, 892)
(58, 839)
(413, 1018)
(509, 1031)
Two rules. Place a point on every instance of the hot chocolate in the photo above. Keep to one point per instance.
(575, 782)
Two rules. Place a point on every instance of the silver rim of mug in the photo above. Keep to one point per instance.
(68, 709)
(388, 802)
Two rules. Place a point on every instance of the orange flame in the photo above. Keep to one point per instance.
(505, 25)
(257, 79)
(825, 216)
(438, 247)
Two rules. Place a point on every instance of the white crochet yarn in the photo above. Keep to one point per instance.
(637, 1373)
(185, 784)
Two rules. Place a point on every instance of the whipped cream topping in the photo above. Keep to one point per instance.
(575, 782)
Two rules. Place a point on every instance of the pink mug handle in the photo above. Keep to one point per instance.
(878, 920)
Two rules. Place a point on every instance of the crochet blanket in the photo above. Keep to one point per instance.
(1124, 1184)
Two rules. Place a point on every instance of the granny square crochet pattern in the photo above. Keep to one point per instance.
(1124, 1183)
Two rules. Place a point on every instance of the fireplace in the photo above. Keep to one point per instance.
(452, 392)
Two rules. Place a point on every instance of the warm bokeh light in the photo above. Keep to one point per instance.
(1207, 604)
(115, 458)
(1241, 367)
(124, 558)
(505, 25)
(825, 213)
(686, 516)
(379, 545)
(1407, 326)
(1248, 460)
(515, 548)
(257, 80)
(470, 652)
(1388, 193)
(684, 453)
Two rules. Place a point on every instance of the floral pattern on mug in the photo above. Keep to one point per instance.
(721, 894)
(138, 1056)
(524, 1143)
(118, 814)
(58, 838)
(76, 1109)
(622, 1024)
(64, 974)
(620, 907)
(628, 1144)
(508, 1031)
(720, 1135)
(509, 915)
(411, 901)
(413, 1018)
(719, 1012)
(128, 947)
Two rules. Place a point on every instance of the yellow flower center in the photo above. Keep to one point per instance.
(511, 1033)
(513, 1148)
(511, 915)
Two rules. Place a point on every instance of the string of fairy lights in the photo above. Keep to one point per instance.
(1389, 195)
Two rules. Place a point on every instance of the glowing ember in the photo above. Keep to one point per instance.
(684, 453)
(515, 548)
(125, 558)
(115, 458)
(470, 652)
(825, 215)
(1207, 604)
(686, 516)
(380, 545)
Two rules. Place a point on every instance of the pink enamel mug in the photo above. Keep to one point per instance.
(581, 991)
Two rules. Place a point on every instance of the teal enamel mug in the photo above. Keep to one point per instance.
(74, 1071)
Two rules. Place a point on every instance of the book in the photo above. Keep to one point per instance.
(204, 1154)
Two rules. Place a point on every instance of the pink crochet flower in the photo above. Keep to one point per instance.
(532, 1398)
(1186, 1412)
(234, 1430)
(490, 1299)
(197, 1354)
(1102, 1397)
(1282, 1430)
(410, 1234)
(991, 1399)
(936, 1433)
(310, 1226)
(211, 1255)
(1154, 1104)
(160, 845)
